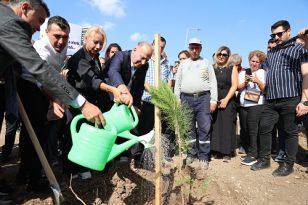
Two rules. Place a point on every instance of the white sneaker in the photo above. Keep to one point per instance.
(203, 164)
(75, 176)
(85, 175)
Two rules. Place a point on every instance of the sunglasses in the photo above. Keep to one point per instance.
(223, 55)
(279, 34)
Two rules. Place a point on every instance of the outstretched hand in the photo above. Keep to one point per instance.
(93, 113)
(126, 97)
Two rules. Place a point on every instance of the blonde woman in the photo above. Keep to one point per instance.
(86, 75)
(224, 118)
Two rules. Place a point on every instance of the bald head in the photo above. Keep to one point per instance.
(141, 54)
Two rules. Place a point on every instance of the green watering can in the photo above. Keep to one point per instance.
(95, 147)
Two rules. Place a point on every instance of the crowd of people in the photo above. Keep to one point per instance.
(270, 95)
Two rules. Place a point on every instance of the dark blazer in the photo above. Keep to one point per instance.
(119, 71)
(15, 45)
(85, 74)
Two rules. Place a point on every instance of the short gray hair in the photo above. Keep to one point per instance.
(34, 3)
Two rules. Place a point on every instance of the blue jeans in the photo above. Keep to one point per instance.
(200, 139)
(283, 110)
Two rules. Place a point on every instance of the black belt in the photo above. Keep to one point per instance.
(196, 94)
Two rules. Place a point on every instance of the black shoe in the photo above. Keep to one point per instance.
(137, 156)
(249, 160)
(284, 169)
(243, 157)
(261, 164)
(6, 202)
(226, 158)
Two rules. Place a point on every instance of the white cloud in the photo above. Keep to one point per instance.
(107, 26)
(138, 36)
(85, 24)
(108, 7)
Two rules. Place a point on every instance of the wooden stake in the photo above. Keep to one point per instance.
(157, 126)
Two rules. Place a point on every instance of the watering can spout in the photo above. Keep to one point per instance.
(119, 148)
(147, 140)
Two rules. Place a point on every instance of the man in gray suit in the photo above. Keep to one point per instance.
(19, 19)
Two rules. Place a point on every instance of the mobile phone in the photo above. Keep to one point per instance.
(248, 71)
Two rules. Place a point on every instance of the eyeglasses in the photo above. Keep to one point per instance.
(223, 55)
(279, 34)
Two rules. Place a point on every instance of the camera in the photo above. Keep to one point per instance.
(176, 63)
(175, 67)
(248, 71)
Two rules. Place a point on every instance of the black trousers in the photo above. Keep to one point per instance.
(284, 110)
(250, 118)
(36, 105)
(2, 103)
(10, 133)
(145, 125)
(146, 120)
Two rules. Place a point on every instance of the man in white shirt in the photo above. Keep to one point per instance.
(52, 48)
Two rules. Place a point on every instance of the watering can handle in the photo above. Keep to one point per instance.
(135, 123)
(74, 123)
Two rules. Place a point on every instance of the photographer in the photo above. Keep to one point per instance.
(184, 54)
(251, 81)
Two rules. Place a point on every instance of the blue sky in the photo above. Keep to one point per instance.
(242, 25)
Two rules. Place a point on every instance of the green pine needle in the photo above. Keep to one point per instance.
(176, 115)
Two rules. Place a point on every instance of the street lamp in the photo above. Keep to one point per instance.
(187, 33)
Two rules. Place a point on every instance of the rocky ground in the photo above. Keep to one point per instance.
(130, 183)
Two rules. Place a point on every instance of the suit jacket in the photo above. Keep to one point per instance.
(85, 74)
(15, 45)
(119, 71)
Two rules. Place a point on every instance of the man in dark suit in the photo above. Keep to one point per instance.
(18, 21)
(127, 69)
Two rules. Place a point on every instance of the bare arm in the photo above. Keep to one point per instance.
(304, 36)
(115, 92)
(146, 86)
(233, 88)
(301, 109)
(254, 78)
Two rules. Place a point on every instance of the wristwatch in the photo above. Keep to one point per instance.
(305, 103)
